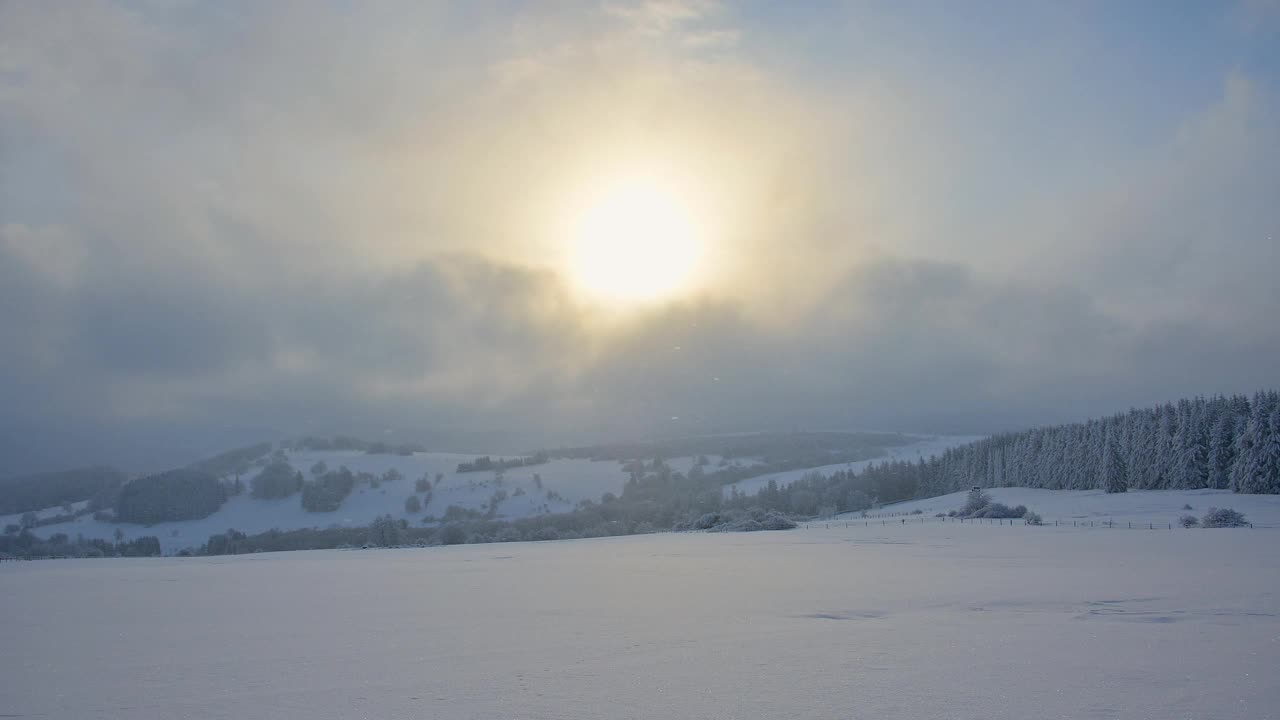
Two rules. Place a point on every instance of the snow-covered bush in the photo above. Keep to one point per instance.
(547, 533)
(1187, 507)
(976, 501)
(979, 505)
(1031, 518)
(1224, 517)
(997, 510)
(706, 522)
(1189, 521)
(507, 534)
(753, 520)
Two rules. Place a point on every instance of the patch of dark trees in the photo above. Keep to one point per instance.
(485, 462)
(176, 495)
(24, 544)
(51, 489)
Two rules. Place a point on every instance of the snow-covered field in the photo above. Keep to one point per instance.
(1141, 507)
(925, 448)
(918, 621)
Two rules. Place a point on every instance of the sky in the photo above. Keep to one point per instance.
(567, 221)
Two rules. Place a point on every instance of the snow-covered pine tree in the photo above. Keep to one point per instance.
(1246, 471)
(1268, 457)
(1221, 451)
(1114, 475)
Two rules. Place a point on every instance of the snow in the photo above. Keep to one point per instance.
(923, 448)
(1140, 507)
(927, 620)
(573, 480)
(16, 519)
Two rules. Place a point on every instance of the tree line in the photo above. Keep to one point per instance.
(24, 544)
(1226, 443)
(484, 463)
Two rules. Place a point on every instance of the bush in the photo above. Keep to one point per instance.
(974, 504)
(1187, 507)
(326, 493)
(940, 515)
(917, 512)
(276, 480)
(508, 534)
(706, 522)
(997, 510)
(1225, 517)
(1189, 521)
(752, 521)
(1032, 518)
(547, 533)
(453, 535)
(412, 505)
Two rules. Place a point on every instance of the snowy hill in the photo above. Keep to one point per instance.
(560, 485)
(923, 448)
(389, 479)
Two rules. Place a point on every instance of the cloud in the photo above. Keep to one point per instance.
(255, 215)
(662, 16)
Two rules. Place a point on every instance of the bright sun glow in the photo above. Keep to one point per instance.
(635, 242)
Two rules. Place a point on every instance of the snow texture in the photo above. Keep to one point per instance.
(933, 620)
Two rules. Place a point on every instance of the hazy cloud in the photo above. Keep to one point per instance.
(257, 215)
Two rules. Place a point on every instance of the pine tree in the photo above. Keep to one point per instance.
(1248, 471)
(1268, 457)
(1221, 451)
(1114, 478)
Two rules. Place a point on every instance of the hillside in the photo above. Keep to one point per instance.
(385, 480)
(1227, 445)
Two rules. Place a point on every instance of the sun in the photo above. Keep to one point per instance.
(635, 241)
